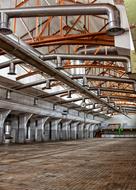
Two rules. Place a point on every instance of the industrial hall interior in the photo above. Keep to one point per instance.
(67, 94)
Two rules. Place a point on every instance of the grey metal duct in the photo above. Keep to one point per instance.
(114, 23)
(61, 57)
(7, 63)
(12, 47)
(125, 60)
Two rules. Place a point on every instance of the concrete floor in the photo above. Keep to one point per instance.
(98, 164)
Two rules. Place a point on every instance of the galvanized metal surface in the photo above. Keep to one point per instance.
(114, 23)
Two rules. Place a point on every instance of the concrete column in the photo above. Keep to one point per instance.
(80, 129)
(23, 120)
(66, 129)
(54, 129)
(86, 130)
(59, 131)
(73, 132)
(42, 133)
(32, 130)
(47, 131)
(14, 129)
(95, 128)
(92, 130)
(3, 116)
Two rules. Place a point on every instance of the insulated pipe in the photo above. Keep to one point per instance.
(125, 60)
(114, 23)
(25, 55)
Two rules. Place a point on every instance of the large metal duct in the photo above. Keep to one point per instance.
(114, 23)
(61, 57)
(12, 47)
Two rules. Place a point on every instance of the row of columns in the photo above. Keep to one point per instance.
(28, 128)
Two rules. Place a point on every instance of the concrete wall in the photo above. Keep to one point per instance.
(125, 122)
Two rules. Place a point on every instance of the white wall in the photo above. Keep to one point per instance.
(125, 122)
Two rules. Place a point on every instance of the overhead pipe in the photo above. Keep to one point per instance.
(61, 57)
(114, 23)
(7, 63)
(50, 57)
(12, 47)
(125, 60)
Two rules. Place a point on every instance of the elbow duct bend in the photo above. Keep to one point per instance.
(114, 22)
(107, 52)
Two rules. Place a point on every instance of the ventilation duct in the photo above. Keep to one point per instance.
(125, 60)
(61, 57)
(114, 23)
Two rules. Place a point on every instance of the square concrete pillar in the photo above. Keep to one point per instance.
(73, 130)
(42, 129)
(86, 131)
(3, 116)
(39, 134)
(14, 129)
(32, 130)
(21, 136)
(65, 130)
(47, 131)
(54, 129)
(91, 130)
(1, 134)
(23, 120)
(80, 129)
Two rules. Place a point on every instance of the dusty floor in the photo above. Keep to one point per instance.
(97, 164)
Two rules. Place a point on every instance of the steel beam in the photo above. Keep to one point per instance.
(40, 111)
